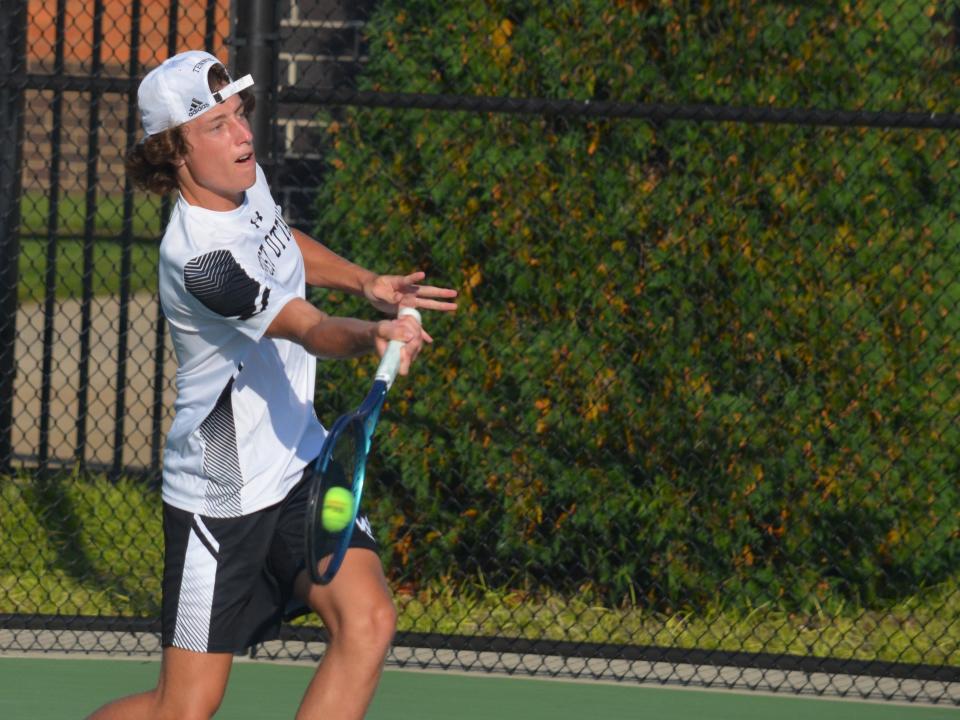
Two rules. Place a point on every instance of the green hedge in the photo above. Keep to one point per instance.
(693, 361)
(74, 544)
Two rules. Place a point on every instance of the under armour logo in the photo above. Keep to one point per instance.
(257, 220)
(196, 106)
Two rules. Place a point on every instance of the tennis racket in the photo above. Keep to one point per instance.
(337, 483)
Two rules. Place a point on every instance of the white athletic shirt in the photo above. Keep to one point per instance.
(245, 426)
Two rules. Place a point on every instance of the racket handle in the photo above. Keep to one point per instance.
(390, 363)
(404, 311)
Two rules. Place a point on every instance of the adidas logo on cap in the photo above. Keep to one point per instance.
(196, 106)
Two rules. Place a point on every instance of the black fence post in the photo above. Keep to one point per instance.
(89, 228)
(255, 40)
(52, 240)
(13, 19)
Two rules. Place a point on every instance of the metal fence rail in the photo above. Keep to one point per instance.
(694, 422)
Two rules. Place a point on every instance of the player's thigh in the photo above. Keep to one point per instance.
(358, 597)
(192, 684)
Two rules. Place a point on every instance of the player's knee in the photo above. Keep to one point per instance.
(371, 630)
(386, 622)
(381, 624)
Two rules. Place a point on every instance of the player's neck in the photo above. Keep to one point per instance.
(208, 199)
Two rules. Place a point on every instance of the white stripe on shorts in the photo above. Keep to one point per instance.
(195, 604)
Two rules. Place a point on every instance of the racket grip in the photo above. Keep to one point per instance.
(404, 311)
(390, 363)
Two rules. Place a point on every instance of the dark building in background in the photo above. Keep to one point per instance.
(321, 46)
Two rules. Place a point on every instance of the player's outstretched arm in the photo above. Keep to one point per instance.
(324, 268)
(327, 336)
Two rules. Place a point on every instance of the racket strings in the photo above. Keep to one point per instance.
(340, 474)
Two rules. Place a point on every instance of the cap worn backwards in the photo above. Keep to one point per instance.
(178, 91)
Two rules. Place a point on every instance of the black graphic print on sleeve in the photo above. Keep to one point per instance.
(221, 284)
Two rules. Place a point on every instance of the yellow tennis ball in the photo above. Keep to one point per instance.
(337, 509)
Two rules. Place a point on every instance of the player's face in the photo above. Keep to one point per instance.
(220, 164)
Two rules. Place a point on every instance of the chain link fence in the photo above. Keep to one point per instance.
(695, 420)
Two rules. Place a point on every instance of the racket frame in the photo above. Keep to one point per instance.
(362, 421)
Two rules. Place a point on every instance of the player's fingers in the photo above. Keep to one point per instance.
(412, 323)
(407, 334)
(408, 354)
(396, 330)
(410, 291)
(414, 277)
(405, 329)
(431, 291)
(436, 305)
(406, 287)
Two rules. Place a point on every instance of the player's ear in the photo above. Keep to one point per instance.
(180, 146)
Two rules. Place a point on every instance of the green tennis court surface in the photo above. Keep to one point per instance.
(54, 689)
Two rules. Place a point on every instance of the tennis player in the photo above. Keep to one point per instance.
(233, 277)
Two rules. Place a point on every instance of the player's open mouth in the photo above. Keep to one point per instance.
(244, 158)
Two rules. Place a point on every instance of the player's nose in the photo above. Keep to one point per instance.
(243, 133)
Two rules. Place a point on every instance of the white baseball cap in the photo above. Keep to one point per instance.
(177, 91)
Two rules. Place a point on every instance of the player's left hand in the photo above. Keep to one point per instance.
(388, 292)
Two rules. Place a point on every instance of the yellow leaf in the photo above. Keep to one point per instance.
(473, 276)
(594, 142)
(500, 42)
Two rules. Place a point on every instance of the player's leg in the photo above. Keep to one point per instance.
(358, 612)
(217, 599)
(356, 608)
(191, 687)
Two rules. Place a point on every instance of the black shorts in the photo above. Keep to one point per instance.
(226, 581)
